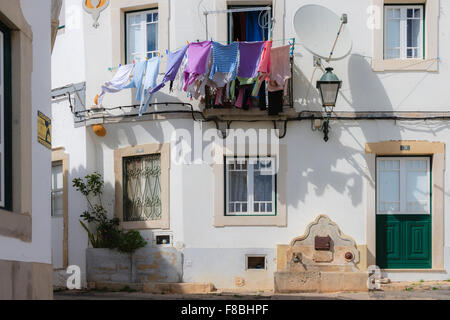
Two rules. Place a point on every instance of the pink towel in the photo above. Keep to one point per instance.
(280, 69)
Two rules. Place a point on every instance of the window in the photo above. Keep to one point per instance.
(403, 185)
(5, 119)
(250, 186)
(142, 189)
(404, 32)
(163, 239)
(142, 35)
(248, 25)
(256, 262)
(142, 185)
(57, 188)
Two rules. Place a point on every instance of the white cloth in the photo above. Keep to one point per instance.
(118, 82)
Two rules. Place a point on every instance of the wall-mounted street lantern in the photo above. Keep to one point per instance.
(328, 85)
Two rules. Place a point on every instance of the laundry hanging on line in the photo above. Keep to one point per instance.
(209, 63)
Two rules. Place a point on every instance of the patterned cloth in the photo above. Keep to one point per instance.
(225, 59)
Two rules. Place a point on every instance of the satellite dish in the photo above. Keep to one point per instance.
(317, 28)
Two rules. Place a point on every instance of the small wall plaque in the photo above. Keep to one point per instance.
(322, 243)
(405, 148)
(44, 130)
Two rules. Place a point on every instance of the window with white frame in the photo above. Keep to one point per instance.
(2, 124)
(403, 31)
(57, 188)
(142, 35)
(403, 185)
(250, 186)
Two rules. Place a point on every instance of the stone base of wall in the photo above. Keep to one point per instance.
(178, 288)
(145, 265)
(25, 280)
(318, 281)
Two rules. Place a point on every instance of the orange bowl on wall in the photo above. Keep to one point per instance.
(99, 130)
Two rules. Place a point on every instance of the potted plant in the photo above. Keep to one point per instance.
(106, 238)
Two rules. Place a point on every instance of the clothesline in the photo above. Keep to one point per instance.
(237, 71)
(222, 42)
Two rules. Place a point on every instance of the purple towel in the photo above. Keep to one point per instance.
(174, 60)
(249, 56)
(198, 53)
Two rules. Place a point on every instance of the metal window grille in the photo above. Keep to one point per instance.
(142, 188)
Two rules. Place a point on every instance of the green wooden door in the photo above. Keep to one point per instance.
(403, 241)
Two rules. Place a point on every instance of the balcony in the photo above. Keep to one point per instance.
(227, 111)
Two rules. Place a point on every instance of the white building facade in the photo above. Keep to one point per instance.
(381, 177)
(25, 234)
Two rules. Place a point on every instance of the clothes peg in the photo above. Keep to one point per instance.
(167, 51)
(120, 65)
(133, 62)
(187, 42)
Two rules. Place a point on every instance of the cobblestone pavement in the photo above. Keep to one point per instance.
(414, 294)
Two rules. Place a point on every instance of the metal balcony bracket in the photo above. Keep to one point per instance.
(281, 126)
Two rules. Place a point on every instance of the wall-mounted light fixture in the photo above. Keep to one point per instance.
(328, 85)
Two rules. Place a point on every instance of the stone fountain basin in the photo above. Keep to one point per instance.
(319, 281)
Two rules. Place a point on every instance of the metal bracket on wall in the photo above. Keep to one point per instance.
(223, 127)
(77, 92)
(281, 126)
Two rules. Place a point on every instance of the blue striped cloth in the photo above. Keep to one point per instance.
(225, 59)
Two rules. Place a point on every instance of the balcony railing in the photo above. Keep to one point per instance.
(228, 105)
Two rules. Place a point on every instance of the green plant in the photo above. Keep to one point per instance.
(130, 241)
(408, 288)
(421, 280)
(107, 233)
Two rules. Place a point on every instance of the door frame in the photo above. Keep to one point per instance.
(58, 155)
(404, 148)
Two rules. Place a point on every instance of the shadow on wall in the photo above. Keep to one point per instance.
(323, 165)
(304, 92)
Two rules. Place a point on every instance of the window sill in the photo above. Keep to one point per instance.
(139, 225)
(234, 221)
(15, 225)
(429, 65)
